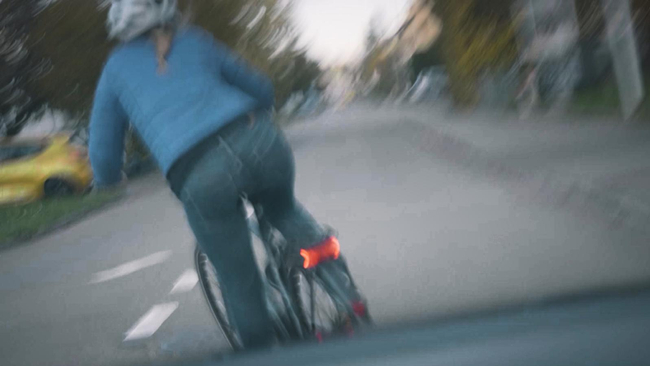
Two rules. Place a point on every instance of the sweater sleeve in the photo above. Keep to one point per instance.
(239, 74)
(108, 124)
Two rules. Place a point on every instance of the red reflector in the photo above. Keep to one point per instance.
(327, 250)
(359, 308)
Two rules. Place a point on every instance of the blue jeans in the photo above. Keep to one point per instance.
(251, 158)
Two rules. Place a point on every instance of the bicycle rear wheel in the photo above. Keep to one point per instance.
(328, 302)
(212, 291)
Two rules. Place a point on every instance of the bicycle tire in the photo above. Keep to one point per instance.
(335, 303)
(336, 277)
(214, 297)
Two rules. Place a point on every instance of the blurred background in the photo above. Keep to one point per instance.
(474, 154)
(585, 56)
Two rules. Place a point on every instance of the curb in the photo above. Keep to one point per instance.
(64, 223)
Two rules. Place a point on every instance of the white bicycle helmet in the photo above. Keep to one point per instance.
(128, 19)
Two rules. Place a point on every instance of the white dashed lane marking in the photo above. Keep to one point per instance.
(149, 323)
(131, 267)
(185, 282)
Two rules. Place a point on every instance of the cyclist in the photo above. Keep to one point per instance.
(205, 117)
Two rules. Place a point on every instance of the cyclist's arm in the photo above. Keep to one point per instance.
(108, 124)
(236, 71)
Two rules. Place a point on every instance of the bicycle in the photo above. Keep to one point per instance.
(298, 284)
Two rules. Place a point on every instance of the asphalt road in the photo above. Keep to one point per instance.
(425, 235)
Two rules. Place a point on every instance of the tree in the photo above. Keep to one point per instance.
(17, 65)
(373, 50)
(476, 36)
(304, 72)
(270, 42)
(71, 35)
(381, 69)
(590, 19)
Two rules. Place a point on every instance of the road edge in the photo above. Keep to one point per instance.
(580, 196)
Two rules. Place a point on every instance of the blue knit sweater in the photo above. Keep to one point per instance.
(205, 87)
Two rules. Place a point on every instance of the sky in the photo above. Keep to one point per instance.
(334, 31)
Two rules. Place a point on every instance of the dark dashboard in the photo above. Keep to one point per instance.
(606, 329)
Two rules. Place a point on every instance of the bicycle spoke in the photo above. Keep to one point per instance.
(321, 312)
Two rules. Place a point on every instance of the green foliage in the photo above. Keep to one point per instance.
(18, 66)
(269, 42)
(380, 58)
(475, 38)
(391, 74)
(71, 35)
(603, 100)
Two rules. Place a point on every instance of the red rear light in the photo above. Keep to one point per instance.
(359, 308)
(328, 250)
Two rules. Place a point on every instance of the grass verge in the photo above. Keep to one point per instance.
(23, 222)
(604, 100)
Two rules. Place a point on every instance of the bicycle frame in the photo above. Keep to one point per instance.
(274, 278)
(276, 260)
(282, 272)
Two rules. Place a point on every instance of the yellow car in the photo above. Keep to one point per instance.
(33, 169)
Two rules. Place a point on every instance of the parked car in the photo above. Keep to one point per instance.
(430, 85)
(36, 168)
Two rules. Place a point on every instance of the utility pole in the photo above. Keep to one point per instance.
(625, 55)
